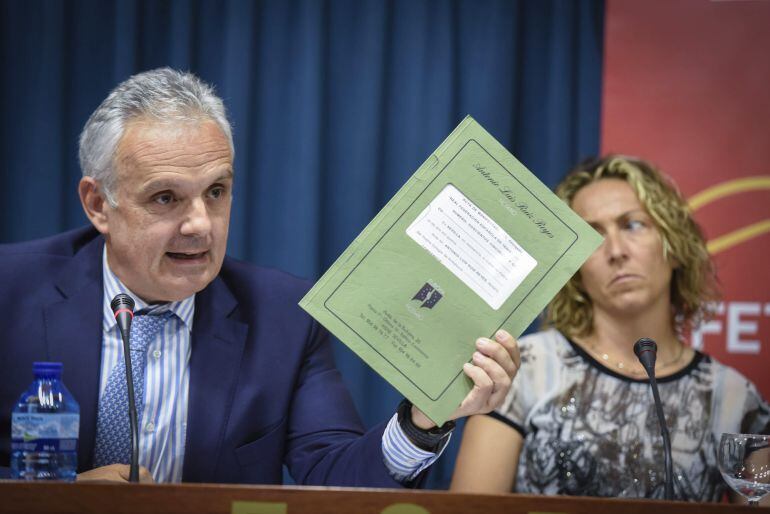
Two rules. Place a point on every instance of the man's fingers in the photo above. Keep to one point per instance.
(145, 475)
(480, 378)
(511, 345)
(497, 397)
(497, 353)
(123, 470)
(501, 379)
(491, 369)
(476, 400)
(111, 473)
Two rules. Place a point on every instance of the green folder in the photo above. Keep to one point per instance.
(473, 242)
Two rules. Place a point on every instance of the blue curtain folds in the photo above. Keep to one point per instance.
(334, 104)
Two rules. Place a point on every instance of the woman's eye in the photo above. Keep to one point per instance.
(635, 225)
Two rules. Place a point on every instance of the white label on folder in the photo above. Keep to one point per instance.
(472, 246)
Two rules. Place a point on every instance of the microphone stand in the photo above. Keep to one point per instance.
(124, 304)
(646, 351)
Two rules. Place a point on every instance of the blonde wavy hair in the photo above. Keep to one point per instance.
(693, 284)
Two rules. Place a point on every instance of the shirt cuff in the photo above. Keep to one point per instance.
(403, 459)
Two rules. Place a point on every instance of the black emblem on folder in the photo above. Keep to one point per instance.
(428, 296)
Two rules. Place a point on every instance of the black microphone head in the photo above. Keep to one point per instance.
(643, 345)
(646, 351)
(122, 301)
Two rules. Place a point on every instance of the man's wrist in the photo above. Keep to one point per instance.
(432, 439)
(420, 420)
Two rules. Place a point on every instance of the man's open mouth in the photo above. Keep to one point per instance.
(186, 256)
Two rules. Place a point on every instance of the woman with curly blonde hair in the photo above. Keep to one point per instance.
(579, 417)
(693, 281)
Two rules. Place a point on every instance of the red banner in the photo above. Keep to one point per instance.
(687, 87)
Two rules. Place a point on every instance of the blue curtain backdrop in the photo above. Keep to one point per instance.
(334, 104)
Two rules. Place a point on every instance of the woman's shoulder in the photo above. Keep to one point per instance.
(546, 348)
(738, 406)
(549, 338)
(726, 379)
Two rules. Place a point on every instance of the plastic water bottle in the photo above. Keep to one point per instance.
(44, 428)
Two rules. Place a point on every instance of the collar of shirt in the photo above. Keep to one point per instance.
(184, 309)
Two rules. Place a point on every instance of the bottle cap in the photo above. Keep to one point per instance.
(47, 369)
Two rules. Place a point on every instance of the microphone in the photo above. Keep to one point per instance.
(123, 309)
(646, 351)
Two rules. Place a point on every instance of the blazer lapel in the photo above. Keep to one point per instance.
(217, 343)
(73, 328)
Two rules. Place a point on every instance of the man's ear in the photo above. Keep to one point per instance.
(94, 204)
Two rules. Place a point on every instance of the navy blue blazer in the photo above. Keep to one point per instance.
(264, 390)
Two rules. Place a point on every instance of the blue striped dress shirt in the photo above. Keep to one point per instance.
(166, 379)
(167, 382)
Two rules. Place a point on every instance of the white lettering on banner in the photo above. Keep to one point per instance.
(738, 326)
(712, 326)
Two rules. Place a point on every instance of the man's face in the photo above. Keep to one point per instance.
(167, 236)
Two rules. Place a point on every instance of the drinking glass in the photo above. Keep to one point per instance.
(744, 461)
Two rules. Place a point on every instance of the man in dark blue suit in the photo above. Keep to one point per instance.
(239, 380)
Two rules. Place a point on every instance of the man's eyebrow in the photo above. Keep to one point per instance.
(158, 185)
(225, 175)
(166, 183)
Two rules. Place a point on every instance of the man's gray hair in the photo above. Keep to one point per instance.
(163, 94)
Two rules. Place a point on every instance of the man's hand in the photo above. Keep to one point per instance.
(114, 473)
(495, 363)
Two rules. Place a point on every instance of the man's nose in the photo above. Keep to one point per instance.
(197, 221)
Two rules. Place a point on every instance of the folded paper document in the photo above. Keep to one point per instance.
(473, 242)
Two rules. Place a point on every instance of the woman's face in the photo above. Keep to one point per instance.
(628, 274)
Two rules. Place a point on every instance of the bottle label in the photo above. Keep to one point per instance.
(44, 432)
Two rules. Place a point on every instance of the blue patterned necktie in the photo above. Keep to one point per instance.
(113, 432)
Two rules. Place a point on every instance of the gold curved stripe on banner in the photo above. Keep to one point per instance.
(732, 187)
(737, 237)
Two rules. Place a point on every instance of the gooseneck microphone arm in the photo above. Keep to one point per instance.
(123, 309)
(646, 351)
